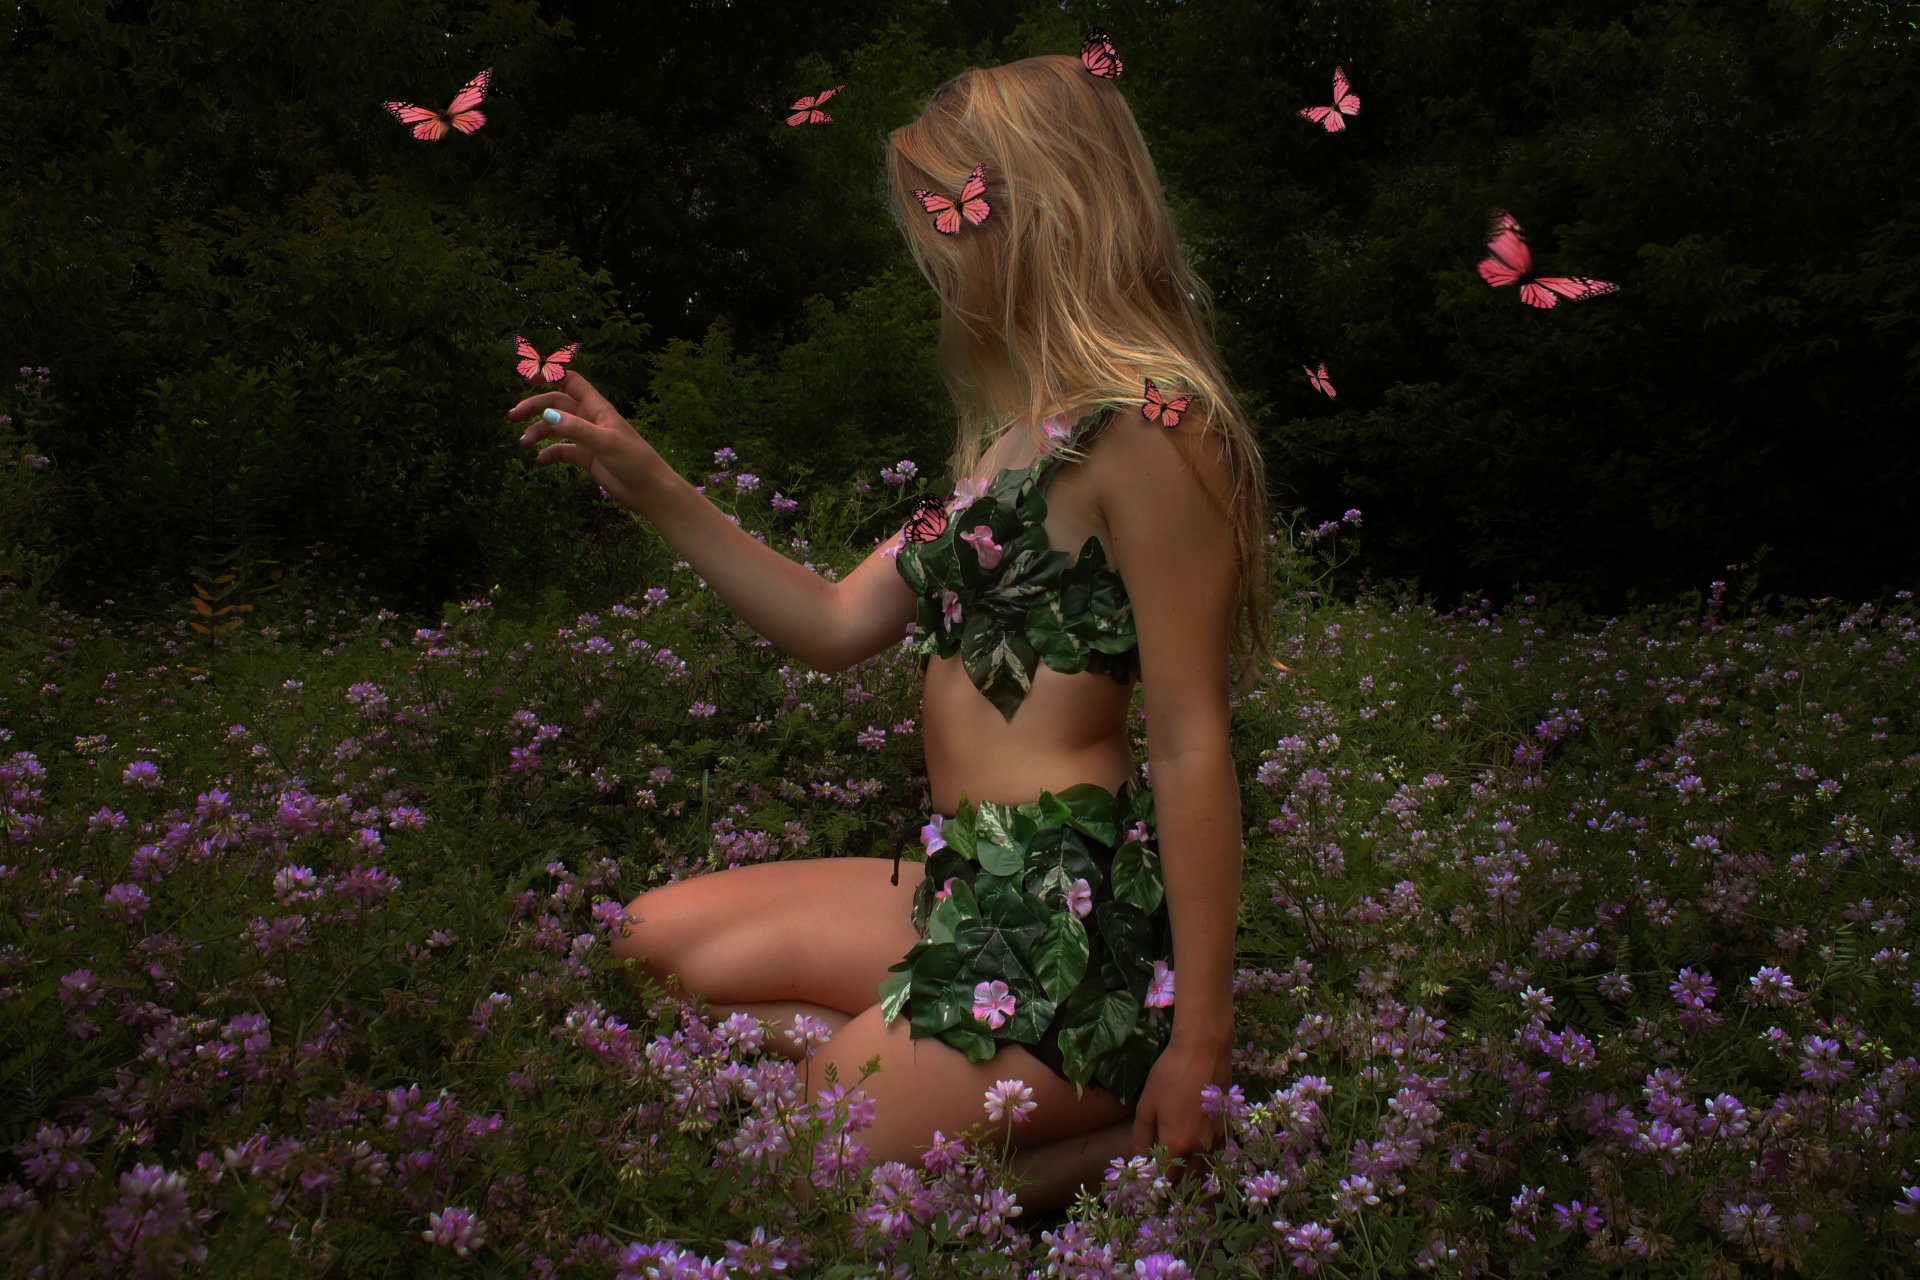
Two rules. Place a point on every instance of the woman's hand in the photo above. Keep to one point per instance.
(1169, 1112)
(591, 435)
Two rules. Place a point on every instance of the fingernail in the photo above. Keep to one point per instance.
(550, 416)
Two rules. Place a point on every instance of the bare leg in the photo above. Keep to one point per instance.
(779, 1014)
(1055, 1171)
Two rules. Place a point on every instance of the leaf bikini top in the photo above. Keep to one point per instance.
(992, 590)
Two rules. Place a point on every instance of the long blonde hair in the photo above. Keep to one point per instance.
(1075, 288)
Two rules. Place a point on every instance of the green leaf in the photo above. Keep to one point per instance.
(1060, 961)
(976, 1044)
(1099, 1027)
(1090, 810)
(999, 859)
(893, 991)
(1136, 877)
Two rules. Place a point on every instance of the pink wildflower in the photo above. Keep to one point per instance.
(1009, 1098)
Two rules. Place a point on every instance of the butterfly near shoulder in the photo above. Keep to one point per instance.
(927, 521)
(463, 113)
(1158, 408)
(534, 368)
(1509, 261)
(947, 212)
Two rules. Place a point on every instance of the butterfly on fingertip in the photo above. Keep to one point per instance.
(534, 369)
(928, 520)
(807, 110)
(1162, 410)
(1345, 103)
(1509, 261)
(1320, 381)
(463, 113)
(972, 204)
(1098, 55)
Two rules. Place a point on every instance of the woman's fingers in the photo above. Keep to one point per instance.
(590, 401)
(545, 400)
(553, 422)
(566, 451)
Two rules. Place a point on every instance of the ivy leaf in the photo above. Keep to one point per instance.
(970, 1040)
(1090, 810)
(1136, 877)
(893, 991)
(1060, 961)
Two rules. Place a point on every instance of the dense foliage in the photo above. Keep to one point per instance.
(273, 318)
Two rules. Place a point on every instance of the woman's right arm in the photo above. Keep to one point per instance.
(827, 625)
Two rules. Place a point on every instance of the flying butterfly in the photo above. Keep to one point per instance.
(807, 110)
(928, 520)
(1098, 55)
(463, 113)
(534, 369)
(947, 213)
(1159, 408)
(1320, 381)
(1345, 103)
(1509, 261)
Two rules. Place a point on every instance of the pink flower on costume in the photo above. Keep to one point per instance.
(984, 546)
(1056, 427)
(1140, 832)
(1160, 987)
(993, 1003)
(1080, 898)
(945, 891)
(950, 607)
(966, 492)
(930, 835)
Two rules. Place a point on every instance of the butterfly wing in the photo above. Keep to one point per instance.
(946, 218)
(529, 366)
(1548, 290)
(554, 367)
(1171, 414)
(1508, 259)
(463, 113)
(1344, 98)
(927, 522)
(1320, 381)
(1319, 116)
(428, 126)
(1098, 55)
(973, 196)
(1159, 408)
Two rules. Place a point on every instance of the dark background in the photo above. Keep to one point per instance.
(273, 319)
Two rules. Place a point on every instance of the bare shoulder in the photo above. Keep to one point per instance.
(1188, 466)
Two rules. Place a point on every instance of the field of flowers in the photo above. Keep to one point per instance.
(1570, 947)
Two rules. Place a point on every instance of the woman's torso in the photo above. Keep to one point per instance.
(1068, 728)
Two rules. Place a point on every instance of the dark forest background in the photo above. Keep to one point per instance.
(273, 319)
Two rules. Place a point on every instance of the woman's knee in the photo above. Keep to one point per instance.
(648, 938)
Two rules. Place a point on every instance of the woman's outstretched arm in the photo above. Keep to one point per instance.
(1164, 495)
(827, 625)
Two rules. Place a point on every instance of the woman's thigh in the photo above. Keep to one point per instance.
(820, 930)
(927, 1084)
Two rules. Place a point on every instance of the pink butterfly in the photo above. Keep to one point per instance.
(1345, 103)
(1509, 261)
(1098, 55)
(1166, 411)
(947, 213)
(534, 369)
(1320, 381)
(463, 113)
(807, 110)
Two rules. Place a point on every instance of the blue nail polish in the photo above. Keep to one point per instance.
(550, 416)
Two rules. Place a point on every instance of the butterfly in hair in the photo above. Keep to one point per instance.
(1345, 103)
(928, 520)
(807, 110)
(972, 204)
(1159, 408)
(1320, 381)
(1509, 261)
(534, 369)
(463, 113)
(1098, 55)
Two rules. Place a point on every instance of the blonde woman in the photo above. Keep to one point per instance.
(1070, 928)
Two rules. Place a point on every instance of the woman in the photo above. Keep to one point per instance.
(1036, 944)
